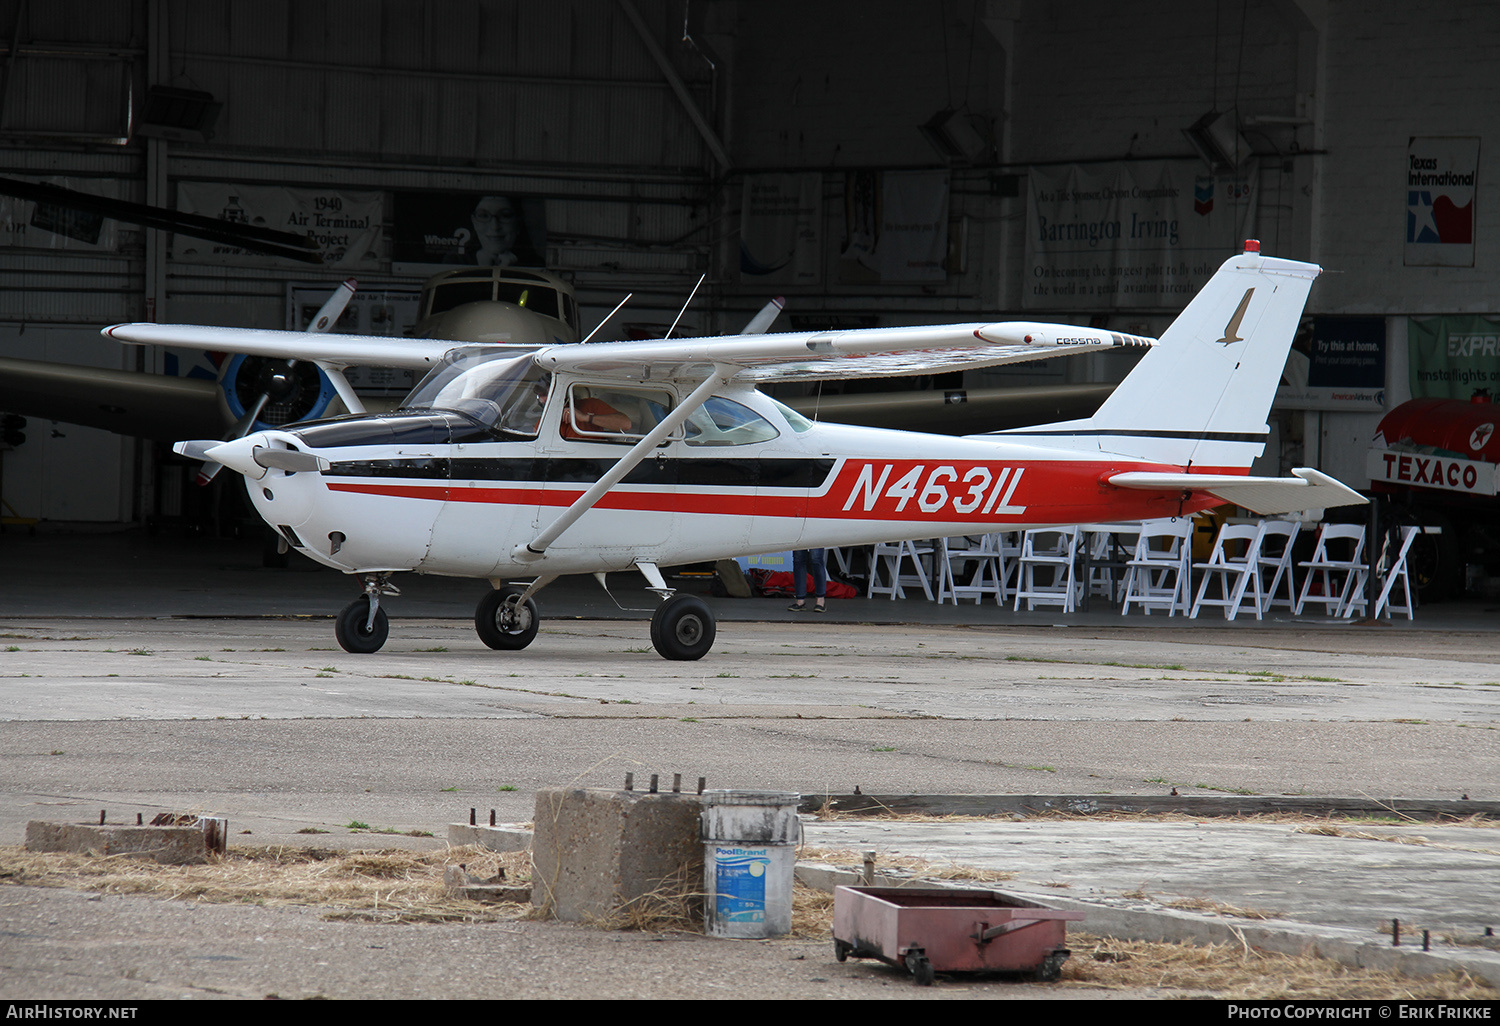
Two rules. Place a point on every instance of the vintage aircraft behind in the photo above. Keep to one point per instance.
(520, 467)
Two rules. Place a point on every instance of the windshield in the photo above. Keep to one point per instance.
(506, 395)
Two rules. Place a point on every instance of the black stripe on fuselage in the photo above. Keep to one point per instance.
(1197, 436)
(704, 473)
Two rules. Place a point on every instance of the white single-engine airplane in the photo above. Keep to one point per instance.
(521, 465)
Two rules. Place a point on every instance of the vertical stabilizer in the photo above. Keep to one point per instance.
(1201, 396)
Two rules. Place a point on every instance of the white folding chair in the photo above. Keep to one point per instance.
(1276, 539)
(891, 557)
(1235, 561)
(1051, 551)
(1159, 575)
(1337, 556)
(1106, 542)
(1355, 600)
(969, 568)
(1008, 544)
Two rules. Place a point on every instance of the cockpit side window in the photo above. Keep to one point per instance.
(505, 395)
(612, 413)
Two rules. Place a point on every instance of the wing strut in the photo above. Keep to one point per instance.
(537, 547)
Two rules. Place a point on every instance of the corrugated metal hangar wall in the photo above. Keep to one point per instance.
(650, 141)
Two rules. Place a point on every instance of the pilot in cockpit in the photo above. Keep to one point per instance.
(592, 416)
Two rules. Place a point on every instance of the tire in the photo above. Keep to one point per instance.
(350, 630)
(921, 969)
(841, 950)
(504, 626)
(682, 628)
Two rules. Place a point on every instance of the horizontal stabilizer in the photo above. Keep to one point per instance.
(1308, 489)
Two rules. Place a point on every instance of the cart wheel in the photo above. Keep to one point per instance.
(1051, 967)
(841, 950)
(921, 969)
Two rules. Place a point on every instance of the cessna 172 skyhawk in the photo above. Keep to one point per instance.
(521, 465)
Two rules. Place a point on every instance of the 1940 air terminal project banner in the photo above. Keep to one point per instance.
(1137, 236)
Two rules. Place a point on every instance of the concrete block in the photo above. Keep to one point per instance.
(502, 837)
(172, 845)
(597, 852)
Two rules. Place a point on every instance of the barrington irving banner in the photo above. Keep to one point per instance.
(1130, 236)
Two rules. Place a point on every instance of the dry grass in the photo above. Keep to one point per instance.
(385, 886)
(394, 886)
(1233, 972)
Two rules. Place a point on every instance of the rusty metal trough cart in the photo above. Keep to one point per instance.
(932, 930)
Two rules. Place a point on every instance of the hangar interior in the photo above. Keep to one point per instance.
(775, 148)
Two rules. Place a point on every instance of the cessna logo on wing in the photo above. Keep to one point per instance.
(980, 488)
(1232, 329)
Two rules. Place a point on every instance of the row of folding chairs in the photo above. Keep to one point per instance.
(1334, 578)
(1250, 567)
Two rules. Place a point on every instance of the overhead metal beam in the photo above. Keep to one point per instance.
(678, 86)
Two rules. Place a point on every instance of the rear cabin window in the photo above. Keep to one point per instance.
(726, 422)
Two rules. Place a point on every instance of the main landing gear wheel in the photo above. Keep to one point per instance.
(503, 623)
(355, 632)
(682, 628)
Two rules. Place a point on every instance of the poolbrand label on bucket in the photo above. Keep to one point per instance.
(740, 884)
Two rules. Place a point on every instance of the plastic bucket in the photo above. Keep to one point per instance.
(749, 860)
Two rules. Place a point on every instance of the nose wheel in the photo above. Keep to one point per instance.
(357, 630)
(682, 628)
(362, 626)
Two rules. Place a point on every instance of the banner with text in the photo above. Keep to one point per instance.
(896, 226)
(1339, 364)
(781, 229)
(345, 225)
(1450, 357)
(25, 222)
(1143, 235)
(1440, 188)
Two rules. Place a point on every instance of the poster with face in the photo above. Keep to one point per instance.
(433, 231)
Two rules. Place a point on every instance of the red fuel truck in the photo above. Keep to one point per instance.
(1438, 463)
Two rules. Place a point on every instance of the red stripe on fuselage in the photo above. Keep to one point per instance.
(979, 492)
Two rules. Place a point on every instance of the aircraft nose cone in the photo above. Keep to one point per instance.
(239, 455)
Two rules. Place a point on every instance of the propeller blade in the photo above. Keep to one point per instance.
(289, 460)
(327, 316)
(195, 449)
(762, 321)
(331, 311)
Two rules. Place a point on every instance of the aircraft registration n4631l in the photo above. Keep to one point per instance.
(520, 465)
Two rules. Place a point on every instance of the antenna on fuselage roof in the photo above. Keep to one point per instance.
(608, 316)
(686, 305)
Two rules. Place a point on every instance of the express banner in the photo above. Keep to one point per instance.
(1451, 357)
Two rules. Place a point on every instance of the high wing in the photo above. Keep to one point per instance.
(825, 355)
(332, 350)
